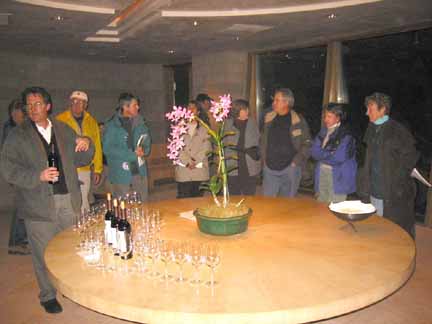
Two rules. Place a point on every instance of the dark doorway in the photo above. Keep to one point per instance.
(181, 84)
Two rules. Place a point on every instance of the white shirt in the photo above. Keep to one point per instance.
(45, 132)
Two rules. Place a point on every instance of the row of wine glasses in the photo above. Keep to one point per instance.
(146, 221)
(150, 251)
(152, 256)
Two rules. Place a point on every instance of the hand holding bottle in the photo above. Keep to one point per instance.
(50, 174)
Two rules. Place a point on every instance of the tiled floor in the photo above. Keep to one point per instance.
(19, 303)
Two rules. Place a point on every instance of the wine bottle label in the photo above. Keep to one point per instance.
(107, 232)
(122, 242)
(113, 236)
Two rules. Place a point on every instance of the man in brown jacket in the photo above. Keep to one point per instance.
(50, 198)
(286, 146)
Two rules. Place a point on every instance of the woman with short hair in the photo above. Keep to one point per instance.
(334, 151)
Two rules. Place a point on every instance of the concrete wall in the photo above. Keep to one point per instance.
(103, 82)
(220, 73)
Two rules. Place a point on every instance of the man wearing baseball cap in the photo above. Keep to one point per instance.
(79, 119)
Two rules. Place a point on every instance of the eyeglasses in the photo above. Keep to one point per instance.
(36, 105)
(77, 102)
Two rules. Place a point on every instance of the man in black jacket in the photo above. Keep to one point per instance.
(47, 208)
(385, 177)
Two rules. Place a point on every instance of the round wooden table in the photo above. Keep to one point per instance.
(297, 263)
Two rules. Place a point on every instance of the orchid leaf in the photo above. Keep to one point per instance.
(229, 134)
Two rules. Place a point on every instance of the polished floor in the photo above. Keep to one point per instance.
(19, 304)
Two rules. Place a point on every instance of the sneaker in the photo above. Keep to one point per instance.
(52, 306)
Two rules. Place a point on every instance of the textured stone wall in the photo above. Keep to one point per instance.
(220, 73)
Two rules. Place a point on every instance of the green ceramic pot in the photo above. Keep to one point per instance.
(223, 226)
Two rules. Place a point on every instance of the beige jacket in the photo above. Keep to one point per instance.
(195, 151)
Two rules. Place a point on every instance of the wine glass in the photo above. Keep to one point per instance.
(196, 253)
(139, 249)
(101, 247)
(212, 261)
(153, 254)
(180, 250)
(166, 256)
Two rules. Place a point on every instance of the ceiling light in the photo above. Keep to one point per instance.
(237, 38)
(58, 18)
(102, 39)
(332, 16)
(171, 52)
(195, 23)
(68, 6)
(108, 32)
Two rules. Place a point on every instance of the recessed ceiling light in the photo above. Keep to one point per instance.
(195, 23)
(332, 16)
(102, 39)
(171, 52)
(58, 18)
(237, 38)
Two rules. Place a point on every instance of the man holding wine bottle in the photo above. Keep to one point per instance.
(40, 159)
(126, 143)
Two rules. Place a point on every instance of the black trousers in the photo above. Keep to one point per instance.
(242, 185)
(189, 189)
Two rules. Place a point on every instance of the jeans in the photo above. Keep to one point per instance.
(283, 183)
(378, 204)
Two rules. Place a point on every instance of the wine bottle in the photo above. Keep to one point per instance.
(108, 217)
(53, 161)
(114, 223)
(124, 234)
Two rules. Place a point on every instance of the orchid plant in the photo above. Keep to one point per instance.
(180, 119)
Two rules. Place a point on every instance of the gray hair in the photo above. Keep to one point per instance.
(237, 106)
(287, 94)
(381, 99)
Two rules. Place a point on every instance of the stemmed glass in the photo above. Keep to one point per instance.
(180, 256)
(139, 249)
(196, 253)
(212, 261)
(153, 254)
(81, 227)
(100, 246)
(166, 255)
